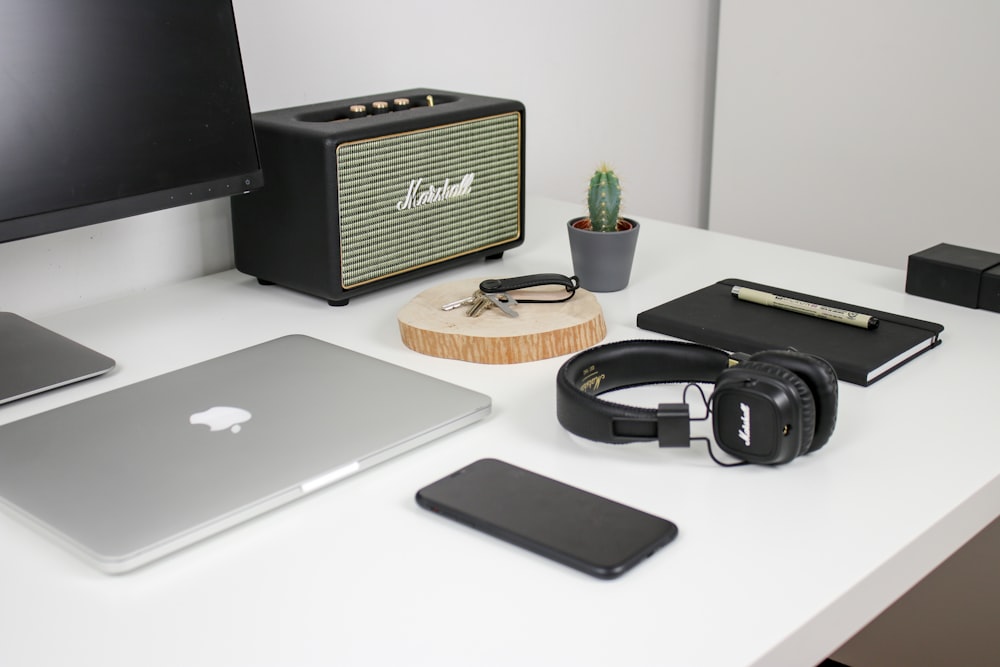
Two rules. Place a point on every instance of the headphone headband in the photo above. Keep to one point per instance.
(627, 364)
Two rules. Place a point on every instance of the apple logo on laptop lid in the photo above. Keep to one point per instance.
(221, 417)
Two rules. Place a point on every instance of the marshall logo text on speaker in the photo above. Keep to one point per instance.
(432, 194)
(356, 200)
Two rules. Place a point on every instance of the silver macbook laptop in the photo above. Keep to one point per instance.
(34, 359)
(136, 473)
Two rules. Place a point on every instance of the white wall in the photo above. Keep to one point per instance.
(623, 82)
(864, 129)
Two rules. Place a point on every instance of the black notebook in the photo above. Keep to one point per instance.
(713, 316)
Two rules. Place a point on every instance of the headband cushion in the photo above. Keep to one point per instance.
(821, 379)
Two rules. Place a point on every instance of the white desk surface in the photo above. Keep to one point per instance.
(773, 566)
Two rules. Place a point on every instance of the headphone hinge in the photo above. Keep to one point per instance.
(673, 424)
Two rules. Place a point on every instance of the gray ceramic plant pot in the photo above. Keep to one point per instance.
(602, 260)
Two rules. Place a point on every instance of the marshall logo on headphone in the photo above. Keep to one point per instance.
(365, 193)
(767, 408)
(745, 424)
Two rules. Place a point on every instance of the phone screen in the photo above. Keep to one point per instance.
(588, 532)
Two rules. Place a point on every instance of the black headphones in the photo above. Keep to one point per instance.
(768, 408)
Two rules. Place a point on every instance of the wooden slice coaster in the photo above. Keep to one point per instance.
(541, 330)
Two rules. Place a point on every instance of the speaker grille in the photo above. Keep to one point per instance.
(422, 197)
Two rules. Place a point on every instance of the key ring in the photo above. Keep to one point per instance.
(498, 285)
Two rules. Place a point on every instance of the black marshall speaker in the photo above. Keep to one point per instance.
(364, 193)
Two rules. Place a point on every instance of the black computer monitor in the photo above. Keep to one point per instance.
(112, 108)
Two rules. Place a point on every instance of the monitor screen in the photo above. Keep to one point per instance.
(112, 108)
(109, 109)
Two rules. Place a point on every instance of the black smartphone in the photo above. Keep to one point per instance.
(593, 534)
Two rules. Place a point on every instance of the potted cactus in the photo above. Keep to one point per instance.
(603, 243)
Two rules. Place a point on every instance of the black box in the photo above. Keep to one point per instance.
(956, 275)
(364, 193)
(989, 290)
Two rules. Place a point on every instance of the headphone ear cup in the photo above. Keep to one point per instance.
(821, 379)
(804, 396)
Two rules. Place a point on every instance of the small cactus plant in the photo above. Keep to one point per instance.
(603, 262)
(604, 200)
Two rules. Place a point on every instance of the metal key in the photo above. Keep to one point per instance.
(479, 304)
(458, 304)
(480, 301)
